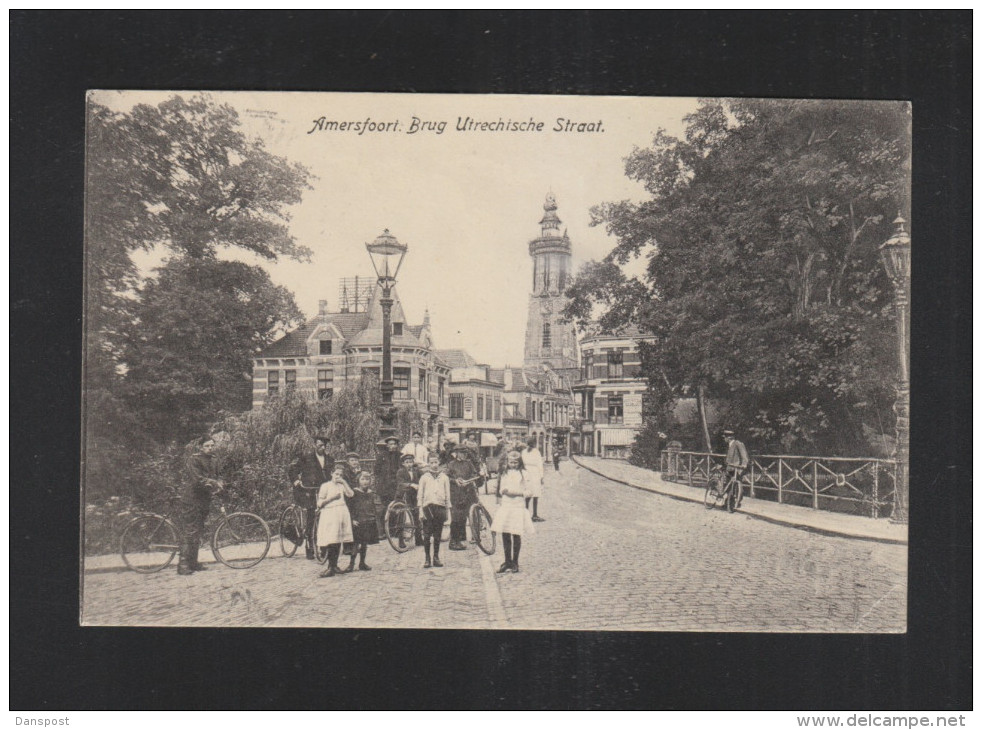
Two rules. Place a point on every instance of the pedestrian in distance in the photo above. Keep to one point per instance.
(334, 527)
(512, 519)
(435, 502)
(307, 474)
(204, 482)
(535, 469)
(555, 456)
(364, 527)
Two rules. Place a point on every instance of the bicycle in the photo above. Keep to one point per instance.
(401, 524)
(150, 541)
(723, 491)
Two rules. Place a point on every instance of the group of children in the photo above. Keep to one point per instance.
(348, 513)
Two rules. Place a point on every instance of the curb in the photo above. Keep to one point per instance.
(765, 518)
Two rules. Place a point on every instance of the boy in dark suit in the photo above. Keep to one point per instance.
(308, 473)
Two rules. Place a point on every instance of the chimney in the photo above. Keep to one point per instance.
(322, 307)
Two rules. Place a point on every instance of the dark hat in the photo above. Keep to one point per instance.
(408, 457)
(322, 436)
(352, 454)
(459, 448)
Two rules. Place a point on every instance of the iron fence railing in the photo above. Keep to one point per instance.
(839, 484)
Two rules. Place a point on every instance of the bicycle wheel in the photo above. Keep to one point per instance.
(241, 540)
(734, 491)
(480, 520)
(291, 526)
(149, 544)
(400, 527)
(714, 491)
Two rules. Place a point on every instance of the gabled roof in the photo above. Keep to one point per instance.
(455, 358)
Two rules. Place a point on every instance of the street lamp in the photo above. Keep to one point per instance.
(387, 254)
(895, 253)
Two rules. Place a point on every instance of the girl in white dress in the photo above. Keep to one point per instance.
(512, 520)
(334, 524)
(535, 466)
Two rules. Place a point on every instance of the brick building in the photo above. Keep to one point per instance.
(336, 347)
(609, 393)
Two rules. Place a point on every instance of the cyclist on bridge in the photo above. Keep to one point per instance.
(737, 458)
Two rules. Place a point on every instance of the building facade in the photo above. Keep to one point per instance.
(609, 393)
(334, 348)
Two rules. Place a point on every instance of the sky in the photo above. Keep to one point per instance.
(465, 202)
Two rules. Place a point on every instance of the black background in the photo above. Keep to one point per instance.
(56, 56)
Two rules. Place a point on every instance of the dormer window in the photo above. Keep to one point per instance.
(325, 347)
(397, 329)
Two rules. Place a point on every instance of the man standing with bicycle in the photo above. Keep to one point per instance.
(737, 459)
(463, 475)
(204, 481)
(307, 475)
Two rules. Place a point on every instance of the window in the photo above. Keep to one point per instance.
(370, 371)
(497, 409)
(480, 407)
(325, 347)
(325, 384)
(290, 379)
(273, 382)
(440, 393)
(400, 383)
(397, 329)
(615, 409)
(546, 336)
(587, 366)
(423, 395)
(529, 413)
(456, 405)
(615, 365)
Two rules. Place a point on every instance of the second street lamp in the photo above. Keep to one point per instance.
(387, 254)
(895, 253)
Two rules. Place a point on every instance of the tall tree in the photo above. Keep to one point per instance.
(763, 283)
(181, 177)
(198, 325)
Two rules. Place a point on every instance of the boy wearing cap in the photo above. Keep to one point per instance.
(307, 474)
(352, 466)
(462, 473)
(407, 481)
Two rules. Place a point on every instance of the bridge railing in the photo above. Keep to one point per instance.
(838, 484)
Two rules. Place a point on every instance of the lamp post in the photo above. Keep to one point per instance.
(387, 254)
(895, 253)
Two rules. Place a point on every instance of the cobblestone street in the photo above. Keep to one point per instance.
(609, 557)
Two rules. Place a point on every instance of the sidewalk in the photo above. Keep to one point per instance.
(803, 518)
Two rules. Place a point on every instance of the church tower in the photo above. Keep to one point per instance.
(549, 340)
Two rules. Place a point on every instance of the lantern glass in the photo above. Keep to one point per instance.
(895, 253)
(387, 255)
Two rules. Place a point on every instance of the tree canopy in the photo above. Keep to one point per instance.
(763, 283)
(180, 178)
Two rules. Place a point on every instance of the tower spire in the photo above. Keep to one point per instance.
(550, 221)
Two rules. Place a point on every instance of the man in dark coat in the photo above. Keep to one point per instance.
(386, 466)
(307, 474)
(204, 481)
(462, 495)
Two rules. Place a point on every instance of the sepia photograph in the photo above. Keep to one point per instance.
(495, 362)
